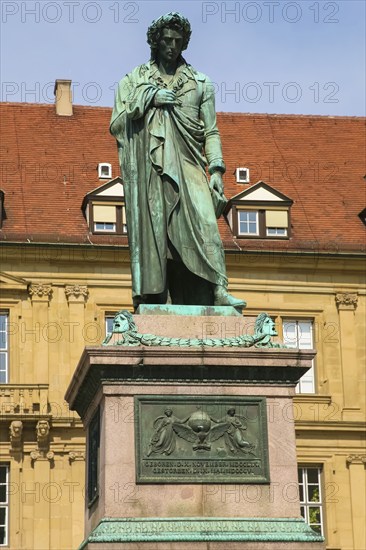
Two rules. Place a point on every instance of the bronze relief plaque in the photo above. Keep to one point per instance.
(182, 439)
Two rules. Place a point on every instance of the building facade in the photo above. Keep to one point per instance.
(294, 237)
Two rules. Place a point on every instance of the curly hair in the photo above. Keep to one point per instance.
(172, 20)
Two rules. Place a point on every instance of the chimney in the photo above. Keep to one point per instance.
(63, 96)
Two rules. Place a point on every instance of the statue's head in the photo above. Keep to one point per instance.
(265, 326)
(176, 24)
(43, 428)
(123, 321)
(168, 411)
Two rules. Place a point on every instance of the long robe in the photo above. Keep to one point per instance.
(162, 154)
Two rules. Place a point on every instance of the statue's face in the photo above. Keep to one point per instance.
(170, 45)
(269, 327)
(120, 324)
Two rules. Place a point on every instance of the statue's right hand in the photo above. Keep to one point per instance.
(164, 97)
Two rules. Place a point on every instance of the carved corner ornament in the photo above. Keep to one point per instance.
(43, 434)
(15, 431)
(346, 300)
(36, 455)
(356, 459)
(76, 293)
(40, 292)
(76, 456)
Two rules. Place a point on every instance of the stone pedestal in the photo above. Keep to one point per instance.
(146, 491)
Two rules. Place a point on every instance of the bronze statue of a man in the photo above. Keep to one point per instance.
(164, 121)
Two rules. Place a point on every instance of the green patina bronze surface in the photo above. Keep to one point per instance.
(201, 439)
(202, 530)
(164, 121)
(124, 325)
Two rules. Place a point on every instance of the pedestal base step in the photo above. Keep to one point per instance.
(175, 533)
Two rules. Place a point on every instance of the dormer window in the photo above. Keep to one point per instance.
(104, 209)
(104, 171)
(259, 212)
(242, 175)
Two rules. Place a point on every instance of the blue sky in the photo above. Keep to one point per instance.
(304, 57)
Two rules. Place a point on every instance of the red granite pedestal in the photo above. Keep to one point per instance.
(127, 513)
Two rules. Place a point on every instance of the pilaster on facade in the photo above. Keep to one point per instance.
(77, 294)
(347, 303)
(357, 477)
(40, 292)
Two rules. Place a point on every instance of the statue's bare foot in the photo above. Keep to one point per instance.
(223, 298)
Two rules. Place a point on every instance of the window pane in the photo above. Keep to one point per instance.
(109, 324)
(313, 475)
(3, 331)
(2, 535)
(290, 333)
(314, 514)
(305, 334)
(301, 493)
(2, 516)
(3, 493)
(3, 378)
(3, 322)
(3, 470)
(313, 491)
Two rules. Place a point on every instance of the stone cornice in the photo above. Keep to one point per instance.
(143, 364)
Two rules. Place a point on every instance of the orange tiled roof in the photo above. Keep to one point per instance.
(49, 163)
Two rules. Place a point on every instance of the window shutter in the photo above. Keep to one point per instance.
(276, 218)
(103, 213)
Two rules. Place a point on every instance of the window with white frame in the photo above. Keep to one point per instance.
(4, 504)
(299, 334)
(276, 231)
(248, 222)
(311, 497)
(4, 349)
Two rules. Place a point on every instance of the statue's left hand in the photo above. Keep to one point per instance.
(217, 183)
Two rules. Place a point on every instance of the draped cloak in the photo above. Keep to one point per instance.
(162, 154)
